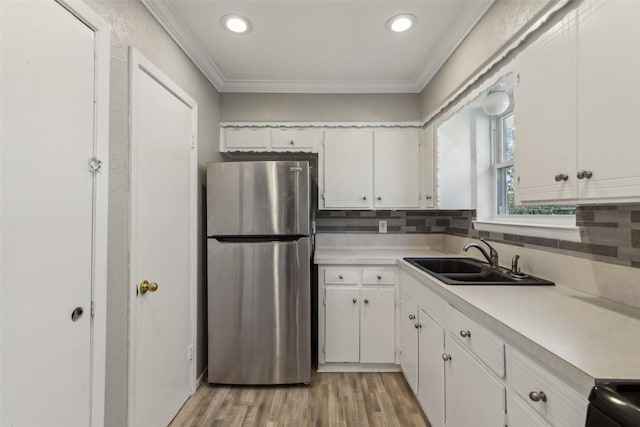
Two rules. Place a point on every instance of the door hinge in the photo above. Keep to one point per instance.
(94, 164)
(324, 196)
(193, 142)
(395, 301)
(93, 308)
(190, 353)
(395, 349)
(324, 350)
(324, 300)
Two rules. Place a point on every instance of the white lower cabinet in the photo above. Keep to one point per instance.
(409, 340)
(462, 372)
(342, 325)
(357, 322)
(431, 375)
(473, 395)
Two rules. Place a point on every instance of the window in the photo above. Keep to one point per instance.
(504, 173)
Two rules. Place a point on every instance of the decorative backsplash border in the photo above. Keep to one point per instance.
(611, 233)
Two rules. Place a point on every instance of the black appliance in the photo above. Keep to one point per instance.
(614, 404)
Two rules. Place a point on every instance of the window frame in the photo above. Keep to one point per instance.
(497, 163)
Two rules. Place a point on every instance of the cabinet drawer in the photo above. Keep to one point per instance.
(561, 405)
(247, 138)
(341, 276)
(379, 276)
(296, 139)
(482, 343)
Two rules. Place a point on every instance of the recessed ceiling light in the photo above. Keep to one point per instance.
(236, 24)
(401, 23)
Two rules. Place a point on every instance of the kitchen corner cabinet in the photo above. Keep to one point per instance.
(372, 169)
(357, 315)
(576, 108)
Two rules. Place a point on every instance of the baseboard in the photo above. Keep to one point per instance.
(359, 367)
(202, 378)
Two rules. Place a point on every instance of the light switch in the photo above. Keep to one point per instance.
(382, 226)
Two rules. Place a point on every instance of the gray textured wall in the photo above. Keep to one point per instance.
(132, 25)
(264, 107)
(502, 21)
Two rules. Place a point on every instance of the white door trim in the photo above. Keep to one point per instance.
(102, 31)
(139, 63)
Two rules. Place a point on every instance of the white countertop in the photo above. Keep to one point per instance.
(584, 337)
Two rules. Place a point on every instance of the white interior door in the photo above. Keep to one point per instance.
(162, 245)
(47, 223)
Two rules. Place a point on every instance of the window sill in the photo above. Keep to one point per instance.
(548, 231)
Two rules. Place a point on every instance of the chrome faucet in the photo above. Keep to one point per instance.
(492, 256)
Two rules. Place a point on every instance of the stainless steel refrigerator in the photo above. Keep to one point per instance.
(258, 272)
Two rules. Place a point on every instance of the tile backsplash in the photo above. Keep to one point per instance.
(610, 233)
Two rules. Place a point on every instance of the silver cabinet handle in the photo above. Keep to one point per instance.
(561, 177)
(582, 174)
(446, 357)
(418, 325)
(364, 197)
(292, 143)
(427, 197)
(340, 276)
(379, 276)
(411, 317)
(366, 301)
(379, 198)
(354, 300)
(538, 396)
(465, 334)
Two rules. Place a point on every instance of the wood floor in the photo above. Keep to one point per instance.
(332, 399)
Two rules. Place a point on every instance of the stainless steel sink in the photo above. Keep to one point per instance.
(469, 271)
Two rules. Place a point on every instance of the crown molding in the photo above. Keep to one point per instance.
(445, 50)
(321, 125)
(165, 14)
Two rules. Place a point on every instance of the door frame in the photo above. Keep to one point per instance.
(100, 203)
(139, 63)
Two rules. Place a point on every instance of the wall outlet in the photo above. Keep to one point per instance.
(382, 226)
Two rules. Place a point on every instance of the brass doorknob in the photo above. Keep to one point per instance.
(146, 286)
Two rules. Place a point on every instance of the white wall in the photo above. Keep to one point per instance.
(503, 20)
(264, 107)
(132, 25)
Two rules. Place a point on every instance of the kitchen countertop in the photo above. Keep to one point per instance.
(583, 337)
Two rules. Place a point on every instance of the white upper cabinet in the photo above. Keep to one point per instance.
(608, 107)
(296, 139)
(348, 168)
(396, 168)
(427, 171)
(576, 108)
(246, 139)
(545, 116)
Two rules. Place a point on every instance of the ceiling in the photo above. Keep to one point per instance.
(318, 46)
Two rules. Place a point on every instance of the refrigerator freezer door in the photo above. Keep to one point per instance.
(259, 312)
(258, 198)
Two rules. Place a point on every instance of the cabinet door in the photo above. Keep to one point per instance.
(427, 169)
(296, 139)
(342, 325)
(520, 415)
(431, 369)
(377, 325)
(609, 112)
(348, 168)
(396, 168)
(247, 139)
(409, 340)
(546, 116)
(473, 395)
